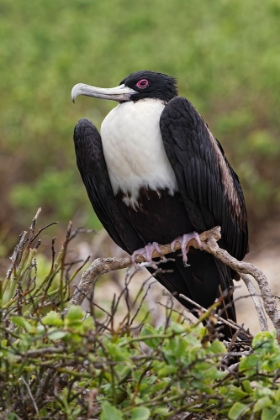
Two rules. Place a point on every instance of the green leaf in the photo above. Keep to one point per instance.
(217, 347)
(167, 370)
(271, 413)
(117, 352)
(247, 387)
(181, 347)
(237, 410)
(109, 412)
(75, 314)
(178, 328)
(262, 403)
(52, 318)
(263, 391)
(158, 386)
(22, 322)
(238, 394)
(57, 335)
(140, 413)
(147, 330)
(262, 337)
(150, 331)
(249, 363)
(123, 372)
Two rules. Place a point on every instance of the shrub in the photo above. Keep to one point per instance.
(58, 361)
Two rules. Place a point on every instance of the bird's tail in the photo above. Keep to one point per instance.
(203, 281)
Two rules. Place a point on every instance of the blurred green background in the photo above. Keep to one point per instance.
(225, 55)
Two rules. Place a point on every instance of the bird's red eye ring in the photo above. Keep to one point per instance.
(142, 84)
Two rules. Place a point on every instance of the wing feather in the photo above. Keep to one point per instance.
(210, 189)
(94, 173)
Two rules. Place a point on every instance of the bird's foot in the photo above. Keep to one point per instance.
(184, 240)
(147, 253)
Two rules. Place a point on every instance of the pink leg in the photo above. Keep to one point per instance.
(147, 253)
(184, 240)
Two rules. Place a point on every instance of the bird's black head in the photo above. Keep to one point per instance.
(149, 84)
(140, 85)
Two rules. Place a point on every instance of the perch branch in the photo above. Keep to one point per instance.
(209, 244)
(269, 300)
(256, 300)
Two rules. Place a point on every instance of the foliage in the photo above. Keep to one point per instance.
(224, 54)
(58, 361)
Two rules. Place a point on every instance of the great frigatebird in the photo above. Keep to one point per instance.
(155, 173)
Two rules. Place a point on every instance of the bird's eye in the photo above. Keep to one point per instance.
(142, 84)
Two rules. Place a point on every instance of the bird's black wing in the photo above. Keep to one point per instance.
(94, 173)
(209, 186)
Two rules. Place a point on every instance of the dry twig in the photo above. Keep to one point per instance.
(209, 244)
(257, 301)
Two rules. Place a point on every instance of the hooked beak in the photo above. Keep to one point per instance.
(119, 93)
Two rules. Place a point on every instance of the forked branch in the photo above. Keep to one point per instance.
(209, 244)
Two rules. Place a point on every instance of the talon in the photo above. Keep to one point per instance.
(147, 253)
(197, 238)
(140, 251)
(173, 243)
(183, 241)
(156, 247)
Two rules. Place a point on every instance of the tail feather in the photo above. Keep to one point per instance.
(204, 280)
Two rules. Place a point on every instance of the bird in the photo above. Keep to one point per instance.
(155, 174)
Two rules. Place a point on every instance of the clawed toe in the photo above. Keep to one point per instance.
(184, 240)
(147, 253)
(148, 250)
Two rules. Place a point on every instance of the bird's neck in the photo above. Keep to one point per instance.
(134, 150)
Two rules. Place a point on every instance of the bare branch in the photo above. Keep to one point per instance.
(269, 300)
(16, 253)
(228, 322)
(31, 396)
(257, 302)
(209, 244)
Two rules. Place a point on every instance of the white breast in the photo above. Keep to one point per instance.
(134, 150)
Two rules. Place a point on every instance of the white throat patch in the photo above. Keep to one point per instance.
(134, 150)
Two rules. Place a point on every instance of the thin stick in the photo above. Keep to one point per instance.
(257, 302)
(209, 244)
(16, 252)
(228, 322)
(31, 396)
